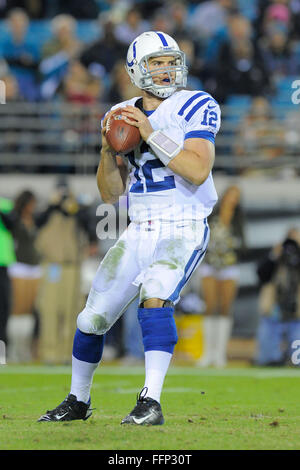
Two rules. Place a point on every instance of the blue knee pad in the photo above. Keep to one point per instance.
(88, 348)
(158, 329)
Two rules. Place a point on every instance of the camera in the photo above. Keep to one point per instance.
(290, 253)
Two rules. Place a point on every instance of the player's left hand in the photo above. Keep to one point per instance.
(137, 118)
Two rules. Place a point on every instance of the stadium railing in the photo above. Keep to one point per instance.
(50, 137)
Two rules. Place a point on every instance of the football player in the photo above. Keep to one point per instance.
(171, 193)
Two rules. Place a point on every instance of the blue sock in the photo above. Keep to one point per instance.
(88, 348)
(158, 329)
(159, 337)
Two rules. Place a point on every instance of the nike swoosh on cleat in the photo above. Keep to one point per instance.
(141, 420)
(60, 417)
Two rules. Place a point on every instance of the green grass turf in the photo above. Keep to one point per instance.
(247, 408)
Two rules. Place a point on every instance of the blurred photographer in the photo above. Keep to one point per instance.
(66, 234)
(279, 301)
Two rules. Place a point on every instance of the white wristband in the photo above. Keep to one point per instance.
(163, 147)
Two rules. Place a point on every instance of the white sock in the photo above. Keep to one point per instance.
(82, 378)
(156, 366)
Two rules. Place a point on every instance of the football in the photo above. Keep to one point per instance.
(120, 135)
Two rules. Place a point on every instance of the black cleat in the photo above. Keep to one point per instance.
(146, 411)
(69, 410)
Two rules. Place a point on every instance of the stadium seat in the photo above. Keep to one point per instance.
(239, 100)
(239, 105)
(40, 29)
(282, 101)
(87, 30)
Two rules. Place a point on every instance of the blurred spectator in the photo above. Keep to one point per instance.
(80, 86)
(63, 242)
(277, 17)
(57, 54)
(239, 68)
(22, 54)
(25, 276)
(237, 29)
(279, 301)
(279, 56)
(210, 16)
(106, 51)
(121, 88)
(260, 134)
(64, 37)
(178, 12)
(132, 26)
(240, 72)
(161, 21)
(220, 276)
(7, 257)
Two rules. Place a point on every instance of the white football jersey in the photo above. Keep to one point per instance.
(155, 191)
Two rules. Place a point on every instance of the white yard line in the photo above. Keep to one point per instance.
(260, 373)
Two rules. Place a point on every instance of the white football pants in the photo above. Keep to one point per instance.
(153, 259)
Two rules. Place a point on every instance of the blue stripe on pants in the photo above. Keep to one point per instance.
(191, 265)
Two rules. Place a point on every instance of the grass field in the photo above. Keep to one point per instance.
(235, 408)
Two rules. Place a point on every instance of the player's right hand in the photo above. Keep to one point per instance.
(105, 146)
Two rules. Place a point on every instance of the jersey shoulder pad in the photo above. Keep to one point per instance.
(200, 116)
(192, 101)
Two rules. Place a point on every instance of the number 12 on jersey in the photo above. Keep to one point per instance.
(147, 181)
(210, 118)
